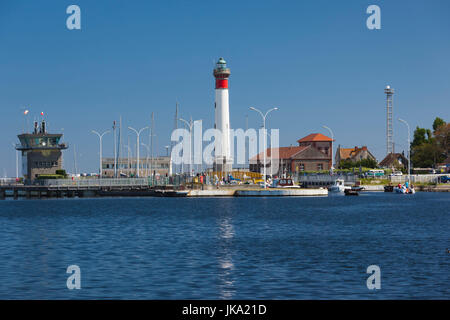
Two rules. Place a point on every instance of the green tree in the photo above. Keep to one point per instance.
(423, 156)
(366, 163)
(438, 122)
(369, 163)
(346, 164)
(442, 137)
(427, 148)
(421, 136)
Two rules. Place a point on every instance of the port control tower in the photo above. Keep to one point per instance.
(41, 152)
(222, 156)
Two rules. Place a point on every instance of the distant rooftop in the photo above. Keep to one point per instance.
(315, 137)
(280, 153)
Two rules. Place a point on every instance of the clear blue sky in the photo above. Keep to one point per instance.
(315, 60)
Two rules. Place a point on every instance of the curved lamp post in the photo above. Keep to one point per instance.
(264, 115)
(100, 136)
(138, 133)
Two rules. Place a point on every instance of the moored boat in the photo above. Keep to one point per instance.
(283, 183)
(405, 188)
(338, 186)
(351, 192)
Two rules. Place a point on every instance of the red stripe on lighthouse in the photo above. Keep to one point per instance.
(221, 83)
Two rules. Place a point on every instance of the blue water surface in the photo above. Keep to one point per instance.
(227, 248)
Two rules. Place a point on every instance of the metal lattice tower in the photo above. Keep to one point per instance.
(389, 123)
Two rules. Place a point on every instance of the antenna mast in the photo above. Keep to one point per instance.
(389, 123)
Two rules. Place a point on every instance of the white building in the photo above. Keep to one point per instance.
(127, 167)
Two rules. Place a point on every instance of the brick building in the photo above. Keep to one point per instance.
(313, 153)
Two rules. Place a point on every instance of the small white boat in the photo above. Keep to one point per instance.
(404, 190)
(284, 183)
(338, 186)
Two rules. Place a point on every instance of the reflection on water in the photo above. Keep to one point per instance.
(226, 248)
(226, 234)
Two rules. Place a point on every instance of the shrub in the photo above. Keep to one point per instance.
(50, 176)
(61, 172)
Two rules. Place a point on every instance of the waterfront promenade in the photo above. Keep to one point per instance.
(175, 187)
(146, 190)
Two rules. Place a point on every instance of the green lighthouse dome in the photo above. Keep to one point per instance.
(222, 64)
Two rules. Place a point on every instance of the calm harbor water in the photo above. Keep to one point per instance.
(227, 248)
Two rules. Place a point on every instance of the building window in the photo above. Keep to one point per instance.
(302, 167)
(319, 166)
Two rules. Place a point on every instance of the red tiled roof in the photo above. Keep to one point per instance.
(315, 137)
(283, 152)
(347, 153)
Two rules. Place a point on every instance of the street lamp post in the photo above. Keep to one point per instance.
(100, 136)
(265, 138)
(409, 149)
(332, 140)
(148, 152)
(138, 133)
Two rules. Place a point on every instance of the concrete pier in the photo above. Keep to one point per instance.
(39, 192)
(282, 192)
(270, 192)
(212, 193)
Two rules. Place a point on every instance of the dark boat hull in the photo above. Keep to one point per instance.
(349, 192)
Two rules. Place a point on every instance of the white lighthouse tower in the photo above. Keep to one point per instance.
(222, 159)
